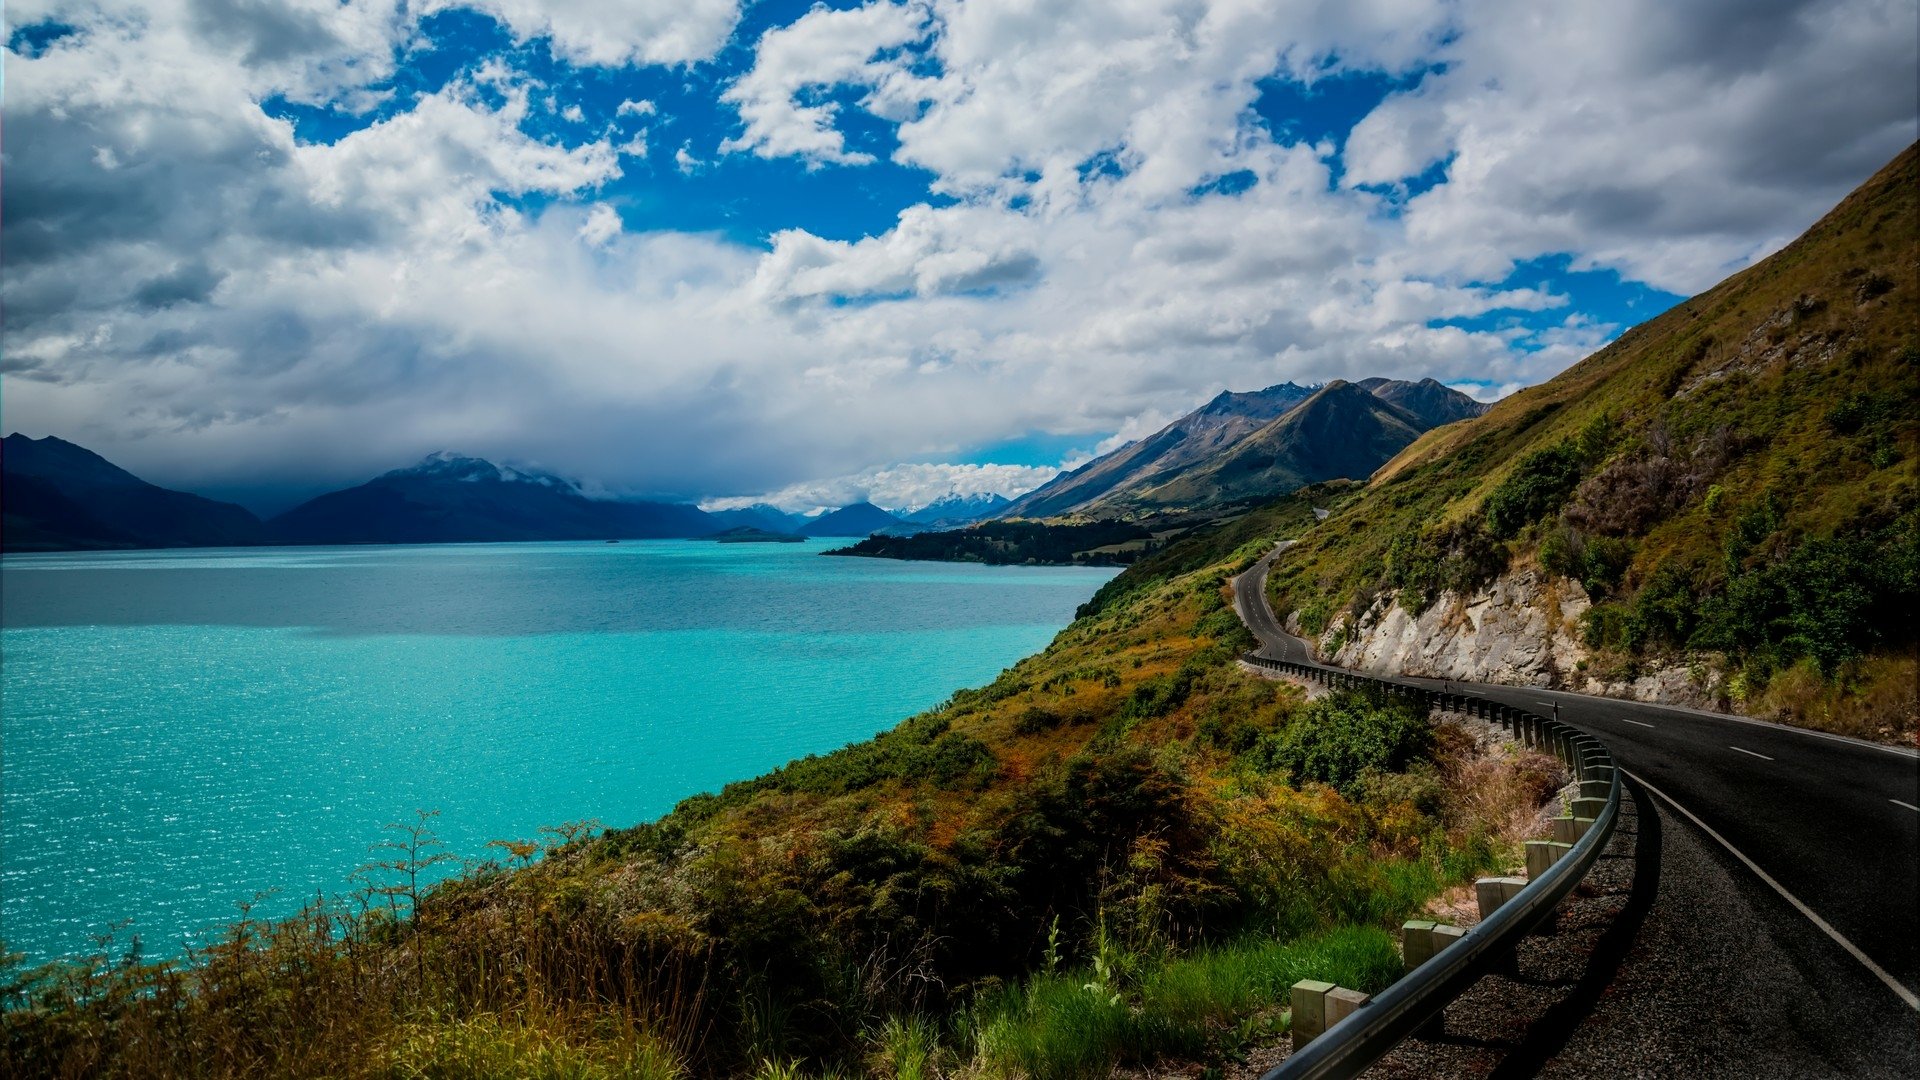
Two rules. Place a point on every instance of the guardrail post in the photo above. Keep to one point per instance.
(1569, 828)
(1416, 943)
(1491, 892)
(1588, 808)
(1542, 854)
(1309, 1001)
(1342, 1003)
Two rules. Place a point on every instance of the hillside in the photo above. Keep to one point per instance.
(1247, 448)
(1128, 810)
(1221, 422)
(59, 496)
(1342, 431)
(1719, 508)
(448, 498)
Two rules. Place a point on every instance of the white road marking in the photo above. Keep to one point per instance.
(1903, 751)
(1906, 995)
(1762, 757)
(1636, 723)
(1908, 805)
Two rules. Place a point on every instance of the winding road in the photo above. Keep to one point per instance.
(1817, 834)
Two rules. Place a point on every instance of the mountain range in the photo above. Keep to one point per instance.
(1253, 445)
(448, 498)
(955, 509)
(1237, 447)
(60, 496)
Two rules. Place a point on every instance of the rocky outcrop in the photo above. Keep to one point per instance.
(1521, 630)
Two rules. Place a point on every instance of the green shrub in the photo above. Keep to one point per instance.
(1458, 558)
(1315, 613)
(1035, 719)
(1664, 611)
(1831, 599)
(1340, 738)
(1540, 485)
(1598, 563)
(1604, 626)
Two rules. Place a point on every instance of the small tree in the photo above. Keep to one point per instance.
(520, 851)
(411, 850)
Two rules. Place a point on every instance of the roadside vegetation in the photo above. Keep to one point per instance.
(1122, 850)
(1733, 485)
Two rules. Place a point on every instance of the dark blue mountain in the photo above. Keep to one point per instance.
(449, 498)
(860, 519)
(59, 497)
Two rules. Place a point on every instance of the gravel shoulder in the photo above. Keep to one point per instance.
(1670, 960)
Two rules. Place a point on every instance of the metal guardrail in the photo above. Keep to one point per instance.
(1347, 1048)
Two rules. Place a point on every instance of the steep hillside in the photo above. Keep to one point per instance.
(1718, 508)
(1247, 448)
(1342, 431)
(448, 498)
(1200, 434)
(59, 496)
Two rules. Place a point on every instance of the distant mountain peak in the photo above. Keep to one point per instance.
(858, 519)
(1243, 402)
(956, 508)
(1371, 417)
(449, 465)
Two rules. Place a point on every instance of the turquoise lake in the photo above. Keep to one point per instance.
(184, 730)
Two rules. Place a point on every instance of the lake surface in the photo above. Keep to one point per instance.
(183, 730)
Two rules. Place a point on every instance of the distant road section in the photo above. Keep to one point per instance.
(1820, 827)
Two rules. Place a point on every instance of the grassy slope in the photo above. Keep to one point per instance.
(1116, 810)
(1710, 447)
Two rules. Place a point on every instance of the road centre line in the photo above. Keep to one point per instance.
(1908, 805)
(1636, 723)
(1906, 995)
(1705, 714)
(1750, 753)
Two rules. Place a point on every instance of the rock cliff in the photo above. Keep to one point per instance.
(1523, 629)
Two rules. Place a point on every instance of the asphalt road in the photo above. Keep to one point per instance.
(1833, 822)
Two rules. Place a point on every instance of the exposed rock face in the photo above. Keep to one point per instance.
(1522, 630)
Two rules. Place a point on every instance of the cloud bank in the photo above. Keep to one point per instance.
(1113, 219)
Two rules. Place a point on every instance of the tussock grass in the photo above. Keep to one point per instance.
(485, 1047)
(1084, 1023)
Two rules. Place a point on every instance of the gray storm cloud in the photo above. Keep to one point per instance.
(210, 302)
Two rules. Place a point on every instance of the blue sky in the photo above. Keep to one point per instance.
(816, 251)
